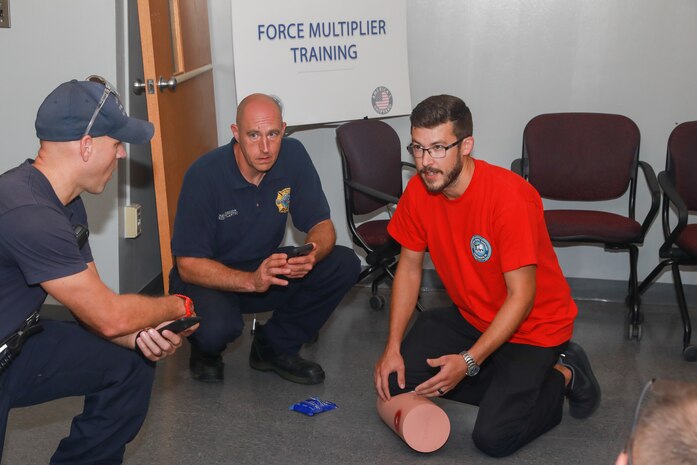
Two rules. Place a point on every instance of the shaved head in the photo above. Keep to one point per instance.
(257, 99)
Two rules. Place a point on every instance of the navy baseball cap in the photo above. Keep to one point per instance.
(77, 108)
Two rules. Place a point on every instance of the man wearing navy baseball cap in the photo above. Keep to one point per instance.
(44, 250)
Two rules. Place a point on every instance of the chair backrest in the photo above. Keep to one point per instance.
(681, 162)
(581, 156)
(371, 155)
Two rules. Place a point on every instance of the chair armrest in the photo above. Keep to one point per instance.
(655, 192)
(517, 166)
(673, 197)
(411, 167)
(371, 192)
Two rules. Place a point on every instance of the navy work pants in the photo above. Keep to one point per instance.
(299, 309)
(66, 360)
(519, 393)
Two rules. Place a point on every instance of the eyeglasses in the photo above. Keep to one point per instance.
(108, 89)
(437, 151)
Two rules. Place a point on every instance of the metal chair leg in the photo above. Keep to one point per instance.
(648, 281)
(689, 351)
(634, 329)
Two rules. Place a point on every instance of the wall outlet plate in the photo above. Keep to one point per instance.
(132, 221)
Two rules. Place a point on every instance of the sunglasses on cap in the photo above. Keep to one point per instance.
(108, 89)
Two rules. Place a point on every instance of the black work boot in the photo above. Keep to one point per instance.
(205, 367)
(583, 390)
(264, 357)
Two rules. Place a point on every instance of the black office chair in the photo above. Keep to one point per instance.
(679, 184)
(591, 157)
(372, 168)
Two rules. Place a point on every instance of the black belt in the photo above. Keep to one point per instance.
(11, 346)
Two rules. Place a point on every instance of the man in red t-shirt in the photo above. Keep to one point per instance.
(505, 345)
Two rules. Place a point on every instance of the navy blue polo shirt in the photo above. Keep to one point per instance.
(37, 242)
(221, 216)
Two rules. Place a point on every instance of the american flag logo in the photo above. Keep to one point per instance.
(382, 100)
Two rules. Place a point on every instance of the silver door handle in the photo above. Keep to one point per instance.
(170, 83)
(138, 86)
(174, 81)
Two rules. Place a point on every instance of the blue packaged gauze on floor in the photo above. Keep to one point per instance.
(313, 406)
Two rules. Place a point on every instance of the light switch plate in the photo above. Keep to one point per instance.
(5, 13)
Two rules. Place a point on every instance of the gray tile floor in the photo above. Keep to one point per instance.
(246, 420)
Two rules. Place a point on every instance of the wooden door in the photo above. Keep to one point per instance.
(176, 44)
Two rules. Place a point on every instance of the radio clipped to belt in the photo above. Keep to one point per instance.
(11, 346)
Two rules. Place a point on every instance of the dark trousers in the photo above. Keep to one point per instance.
(66, 360)
(519, 393)
(299, 309)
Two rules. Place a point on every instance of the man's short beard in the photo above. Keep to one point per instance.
(449, 178)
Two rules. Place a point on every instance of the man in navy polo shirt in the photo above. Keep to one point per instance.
(231, 218)
(44, 250)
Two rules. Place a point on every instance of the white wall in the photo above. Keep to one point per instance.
(49, 43)
(518, 59)
(510, 60)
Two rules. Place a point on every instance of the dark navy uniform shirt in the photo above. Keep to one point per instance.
(223, 217)
(37, 242)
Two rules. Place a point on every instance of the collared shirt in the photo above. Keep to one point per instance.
(221, 216)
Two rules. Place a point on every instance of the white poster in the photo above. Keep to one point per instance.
(326, 60)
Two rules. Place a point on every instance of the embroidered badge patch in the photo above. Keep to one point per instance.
(283, 200)
(481, 249)
(228, 214)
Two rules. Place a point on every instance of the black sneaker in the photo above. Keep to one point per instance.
(205, 367)
(583, 391)
(293, 368)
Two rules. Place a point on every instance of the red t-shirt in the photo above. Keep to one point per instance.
(496, 226)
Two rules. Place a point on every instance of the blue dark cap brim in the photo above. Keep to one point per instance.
(136, 131)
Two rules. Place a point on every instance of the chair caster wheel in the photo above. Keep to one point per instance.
(634, 331)
(377, 302)
(689, 354)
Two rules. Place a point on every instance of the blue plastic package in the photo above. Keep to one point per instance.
(313, 406)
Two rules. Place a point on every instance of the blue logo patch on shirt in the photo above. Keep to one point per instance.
(481, 249)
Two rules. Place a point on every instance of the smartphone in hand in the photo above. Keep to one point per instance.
(299, 251)
(177, 326)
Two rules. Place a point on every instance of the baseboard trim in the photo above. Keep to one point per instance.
(607, 290)
(602, 290)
